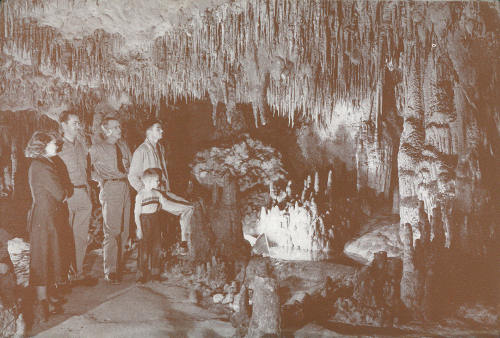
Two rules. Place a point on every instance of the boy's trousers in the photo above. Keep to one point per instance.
(150, 245)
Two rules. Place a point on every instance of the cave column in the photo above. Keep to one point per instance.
(409, 158)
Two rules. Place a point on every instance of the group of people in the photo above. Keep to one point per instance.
(59, 219)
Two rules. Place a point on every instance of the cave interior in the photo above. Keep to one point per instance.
(359, 133)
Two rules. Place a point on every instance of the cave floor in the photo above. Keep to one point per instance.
(153, 310)
(132, 310)
(165, 310)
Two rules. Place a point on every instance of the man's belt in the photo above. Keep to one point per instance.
(82, 186)
(124, 179)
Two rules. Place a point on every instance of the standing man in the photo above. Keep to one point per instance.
(150, 154)
(111, 160)
(74, 154)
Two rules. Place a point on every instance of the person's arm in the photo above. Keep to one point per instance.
(103, 158)
(43, 178)
(125, 154)
(94, 174)
(136, 170)
(85, 154)
(137, 216)
(62, 173)
(163, 161)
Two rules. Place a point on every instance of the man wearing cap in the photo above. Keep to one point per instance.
(151, 154)
(111, 160)
(74, 153)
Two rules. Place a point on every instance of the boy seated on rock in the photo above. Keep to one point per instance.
(148, 204)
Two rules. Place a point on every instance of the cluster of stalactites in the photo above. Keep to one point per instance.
(295, 57)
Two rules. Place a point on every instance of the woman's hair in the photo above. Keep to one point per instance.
(38, 142)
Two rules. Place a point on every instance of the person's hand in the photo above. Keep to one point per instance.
(138, 233)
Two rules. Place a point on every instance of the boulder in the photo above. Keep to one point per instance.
(384, 238)
(228, 299)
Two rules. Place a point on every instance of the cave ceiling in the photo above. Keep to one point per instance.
(291, 57)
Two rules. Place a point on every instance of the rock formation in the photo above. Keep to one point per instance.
(311, 223)
(225, 220)
(11, 319)
(375, 299)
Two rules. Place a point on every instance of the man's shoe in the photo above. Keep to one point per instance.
(41, 311)
(88, 281)
(55, 308)
(125, 270)
(183, 248)
(57, 300)
(112, 278)
(158, 278)
(62, 288)
(84, 280)
(140, 278)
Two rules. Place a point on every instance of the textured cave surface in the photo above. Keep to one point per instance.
(399, 99)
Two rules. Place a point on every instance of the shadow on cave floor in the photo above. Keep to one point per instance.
(81, 298)
(343, 329)
(131, 310)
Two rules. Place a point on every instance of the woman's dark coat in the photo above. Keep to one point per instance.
(47, 221)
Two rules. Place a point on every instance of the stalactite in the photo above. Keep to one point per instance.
(333, 41)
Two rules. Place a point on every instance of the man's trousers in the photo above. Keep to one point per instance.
(80, 212)
(115, 201)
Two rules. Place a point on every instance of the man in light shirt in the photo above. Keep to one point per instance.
(74, 154)
(111, 160)
(151, 154)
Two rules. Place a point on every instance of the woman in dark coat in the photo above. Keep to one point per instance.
(48, 215)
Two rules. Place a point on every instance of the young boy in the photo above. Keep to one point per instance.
(148, 203)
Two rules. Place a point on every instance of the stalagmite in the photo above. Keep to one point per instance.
(411, 289)
(329, 182)
(307, 229)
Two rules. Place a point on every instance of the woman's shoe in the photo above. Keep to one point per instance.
(112, 278)
(62, 288)
(55, 308)
(57, 300)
